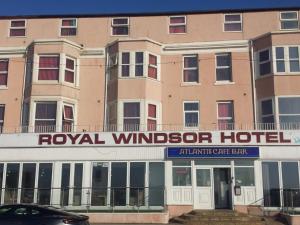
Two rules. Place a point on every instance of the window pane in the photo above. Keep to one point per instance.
(232, 27)
(68, 31)
(49, 62)
(48, 74)
(224, 74)
(139, 70)
(118, 184)
(294, 66)
(224, 60)
(120, 30)
(244, 176)
(44, 184)
(18, 23)
(131, 124)
(191, 106)
(65, 184)
(70, 64)
(152, 59)
(78, 174)
(45, 111)
(152, 110)
(190, 62)
(244, 162)
(125, 58)
(280, 66)
(203, 178)
(225, 109)
(17, 32)
(293, 52)
(265, 68)
(11, 184)
(177, 29)
(99, 184)
(212, 162)
(288, 15)
(290, 184)
(289, 24)
(190, 75)
(137, 184)
(28, 181)
(69, 76)
(267, 107)
(232, 18)
(174, 20)
(191, 119)
(139, 57)
(181, 163)
(279, 53)
(271, 186)
(181, 176)
(264, 55)
(120, 21)
(131, 109)
(156, 183)
(2, 109)
(69, 22)
(125, 71)
(3, 65)
(289, 105)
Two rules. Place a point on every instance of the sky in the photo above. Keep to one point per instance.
(98, 7)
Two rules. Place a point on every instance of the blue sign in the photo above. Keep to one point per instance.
(212, 152)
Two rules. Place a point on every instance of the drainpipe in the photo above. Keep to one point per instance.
(254, 98)
(23, 89)
(105, 90)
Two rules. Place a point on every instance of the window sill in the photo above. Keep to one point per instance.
(189, 84)
(287, 74)
(178, 33)
(65, 84)
(138, 77)
(3, 87)
(217, 83)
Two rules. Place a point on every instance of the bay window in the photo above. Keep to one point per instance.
(225, 115)
(68, 27)
(120, 26)
(177, 24)
(287, 59)
(289, 20)
(131, 116)
(48, 68)
(223, 67)
(3, 72)
(45, 117)
(17, 28)
(190, 68)
(289, 112)
(139, 64)
(191, 114)
(233, 22)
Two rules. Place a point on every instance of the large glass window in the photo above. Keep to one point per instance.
(17, 28)
(244, 176)
(232, 22)
(225, 115)
(3, 72)
(48, 68)
(45, 117)
(203, 177)
(99, 184)
(68, 27)
(191, 114)
(223, 67)
(290, 184)
(156, 183)
(131, 116)
(137, 183)
(289, 20)
(11, 184)
(65, 184)
(120, 26)
(190, 68)
(28, 182)
(289, 112)
(78, 175)
(181, 173)
(44, 183)
(271, 188)
(118, 184)
(264, 62)
(177, 25)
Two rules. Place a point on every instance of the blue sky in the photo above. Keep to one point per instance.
(65, 7)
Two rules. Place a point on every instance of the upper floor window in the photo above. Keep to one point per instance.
(3, 72)
(233, 22)
(131, 116)
(289, 112)
(45, 117)
(67, 118)
(48, 68)
(2, 110)
(190, 68)
(152, 66)
(267, 113)
(264, 62)
(70, 70)
(120, 26)
(223, 67)
(125, 64)
(191, 114)
(225, 115)
(152, 117)
(287, 59)
(68, 27)
(177, 24)
(139, 64)
(289, 20)
(17, 28)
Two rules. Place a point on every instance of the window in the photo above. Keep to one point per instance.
(182, 173)
(244, 173)
(3, 72)
(225, 115)
(68, 27)
(289, 112)
(191, 114)
(17, 28)
(267, 114)
(45, 117)
(223, 67)
(287, 59)
(289, 20)
(152, 67)
(139, 64)
(190, 68)
(131, 116)
(294, 59)
(48, 68)
(177, 25)
(232, 22)
(70, 70)
(152, 117)
(280, 59)
(125, 66)
(67, 118)
(264, 62)
(2, 110)
(120, 26)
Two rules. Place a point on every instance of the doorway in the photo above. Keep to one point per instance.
(222, 188)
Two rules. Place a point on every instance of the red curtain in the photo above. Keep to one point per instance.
(70, 64)
(17, 32)
(152, 72)
(177, 20)
(69, 23)
(68, 31)
(68, 112)
(18, 23)
(152, 60)
(3, 66)
(177, 29)
(69, 76)
(50, 74)
(49, 62)
(3, 79)
(224, 110)
(151, 124)
(152, 110)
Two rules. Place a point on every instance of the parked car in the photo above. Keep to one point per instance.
(26, 214)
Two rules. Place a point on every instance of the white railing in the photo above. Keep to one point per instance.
(145, 127)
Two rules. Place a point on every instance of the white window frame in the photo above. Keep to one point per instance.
(286, 20)
(286, 60)
(70, 70)
(152, 118)
(64, 116)
(71, 27)
(152, 66)
(125, 64)
(226, 118)
(45, 102)
(120, 25)
(17, 28)
(190, 68)
(191, 111)
(261, 109)
(277, 107)
(233, 22)
(177, 24)
(262, 62)
(139, 64)
(223, 67)
(48, 68)
(5, 72)
(140, 117)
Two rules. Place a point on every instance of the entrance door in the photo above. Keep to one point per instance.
(222, 188)
(203, 197)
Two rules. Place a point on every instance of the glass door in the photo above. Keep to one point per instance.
(203, 198)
